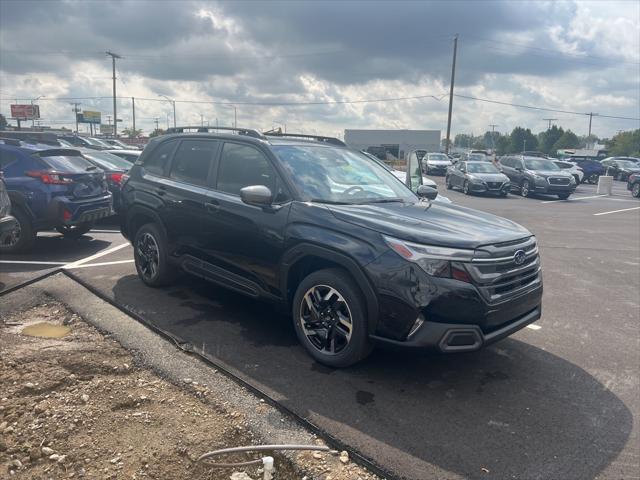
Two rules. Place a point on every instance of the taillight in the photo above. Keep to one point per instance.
(125, 177)
(66, 215)
(50, 178)
(116, 178)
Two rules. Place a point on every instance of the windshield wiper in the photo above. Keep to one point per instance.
(386, 200)
(330, 202)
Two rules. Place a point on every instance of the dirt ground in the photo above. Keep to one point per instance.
(80, 406)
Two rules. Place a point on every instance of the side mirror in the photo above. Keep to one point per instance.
(413, 179)
(427, 192)
(257, 195)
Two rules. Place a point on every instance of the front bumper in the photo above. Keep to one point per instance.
(499, 189)
(546, 187)
(420, 311)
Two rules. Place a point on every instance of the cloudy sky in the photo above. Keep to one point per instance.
(318, 56)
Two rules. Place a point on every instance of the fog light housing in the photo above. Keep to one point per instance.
(416, 325)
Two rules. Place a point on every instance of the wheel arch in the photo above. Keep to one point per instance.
(137, 216)
(304, 259)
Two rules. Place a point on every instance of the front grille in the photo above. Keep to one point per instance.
(564, 181)
(494, 185)
(496, 275)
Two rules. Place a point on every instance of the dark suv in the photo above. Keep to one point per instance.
(531, 175)
(352, 253)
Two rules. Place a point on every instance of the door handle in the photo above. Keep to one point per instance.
(212, 207)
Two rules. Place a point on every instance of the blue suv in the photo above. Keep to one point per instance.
(51, 188)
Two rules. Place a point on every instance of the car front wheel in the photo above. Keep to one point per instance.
(329, 316)
(525, 188)
(635, 190)
(465, 188)
(563, 196)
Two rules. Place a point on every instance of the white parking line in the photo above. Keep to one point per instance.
(616, 211)
(97, 255)
(533, 326)
(102, 264)
(573, 199)
(25, 262)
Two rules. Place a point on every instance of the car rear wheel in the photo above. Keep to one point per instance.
(330, 319)
(635, 190)
(525, 188)
(151, 256)
(22, 238)
(75, 231)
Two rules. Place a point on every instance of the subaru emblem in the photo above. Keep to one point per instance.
(519, 257)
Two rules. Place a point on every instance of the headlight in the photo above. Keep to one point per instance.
(572, 180)
(437, 261)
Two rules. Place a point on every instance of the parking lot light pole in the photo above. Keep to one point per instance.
(115, 116)
(173, 102)
(453, 78)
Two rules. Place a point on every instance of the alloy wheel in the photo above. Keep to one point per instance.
(636, 190)
(12, 238)
(525, 188)
(147, 254)
(326, 319)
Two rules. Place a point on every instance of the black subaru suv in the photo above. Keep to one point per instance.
(353, 254)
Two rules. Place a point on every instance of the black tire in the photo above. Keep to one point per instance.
(329, 333)
(504, 193)
(525, 188)
(25, 236)
(577, 179)
(75, 231)
(447, 182)
(151, 256)
(635, 190)
(563, 196)
(593, 178)
(465, 188)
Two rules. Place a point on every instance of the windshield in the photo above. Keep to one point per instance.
(484, 167)
(438, 157)
(478, 157)
(108, 160)
(336, 175)
(68, 163)
(540, 164)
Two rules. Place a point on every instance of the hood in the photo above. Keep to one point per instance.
(490, 177)
(432, 223)
(400, 175)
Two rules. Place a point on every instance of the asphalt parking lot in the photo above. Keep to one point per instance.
(560, 399)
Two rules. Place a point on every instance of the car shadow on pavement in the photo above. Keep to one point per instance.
(57, 248)
(509, 411)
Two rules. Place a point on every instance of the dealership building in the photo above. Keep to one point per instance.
(396, 143)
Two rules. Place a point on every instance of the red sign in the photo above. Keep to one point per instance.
(25, 112)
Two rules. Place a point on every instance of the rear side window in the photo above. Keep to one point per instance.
(192, 161)
(67, 163)
(157, 162)
(242, 166)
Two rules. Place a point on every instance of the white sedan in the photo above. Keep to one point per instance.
(572, 168)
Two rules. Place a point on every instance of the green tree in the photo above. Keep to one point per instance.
(567, 140)
(131, 133)
(463, 140)
(3, 122)
(521, 139)
(626, 144)
(503, 145)
(156, 132)
(546, 140)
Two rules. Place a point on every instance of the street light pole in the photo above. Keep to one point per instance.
(173, 102)
(115, 116)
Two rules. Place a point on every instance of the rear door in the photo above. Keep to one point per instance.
(187, 212)
(508, 169)
(247, 241)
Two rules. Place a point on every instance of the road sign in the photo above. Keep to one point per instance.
(25, 111)
(106, 129)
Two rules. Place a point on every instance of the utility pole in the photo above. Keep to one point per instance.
(591, 115)
(115, 115)
(550, 120)
(133, 108)
(493, 140)
(173, 102)
(75, 111)
(453, 78)
(156, 122)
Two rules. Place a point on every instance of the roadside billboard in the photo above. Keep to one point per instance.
(25, 111)
(106, 129)
(89, 117)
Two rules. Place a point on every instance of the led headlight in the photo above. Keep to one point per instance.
(437, 261)
(572, 180)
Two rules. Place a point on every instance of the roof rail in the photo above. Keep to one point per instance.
(11, 141)
(319, 138)
(249, 132)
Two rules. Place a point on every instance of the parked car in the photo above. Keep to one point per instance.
(633, 184)
(572, 168)
(52, 188)
(114, 168)
(620, 169)
(436, 163)
(130, 155)
(630, 159)
(529, 175)
(402, 176)
(84, 142)
(352, 253)
(474, 157)
(592, 168)
(477, 177)
(115, 143)
(9, 227)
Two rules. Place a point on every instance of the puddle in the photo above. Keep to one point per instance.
(46, 330)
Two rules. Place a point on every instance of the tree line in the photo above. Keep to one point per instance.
(550, 141)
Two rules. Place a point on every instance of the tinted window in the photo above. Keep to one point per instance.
(241, 166)
(540, 164)
(507, 161)
(192, 161)
(6, 158)
(68, 163)
(157, 162)
(108, 161)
